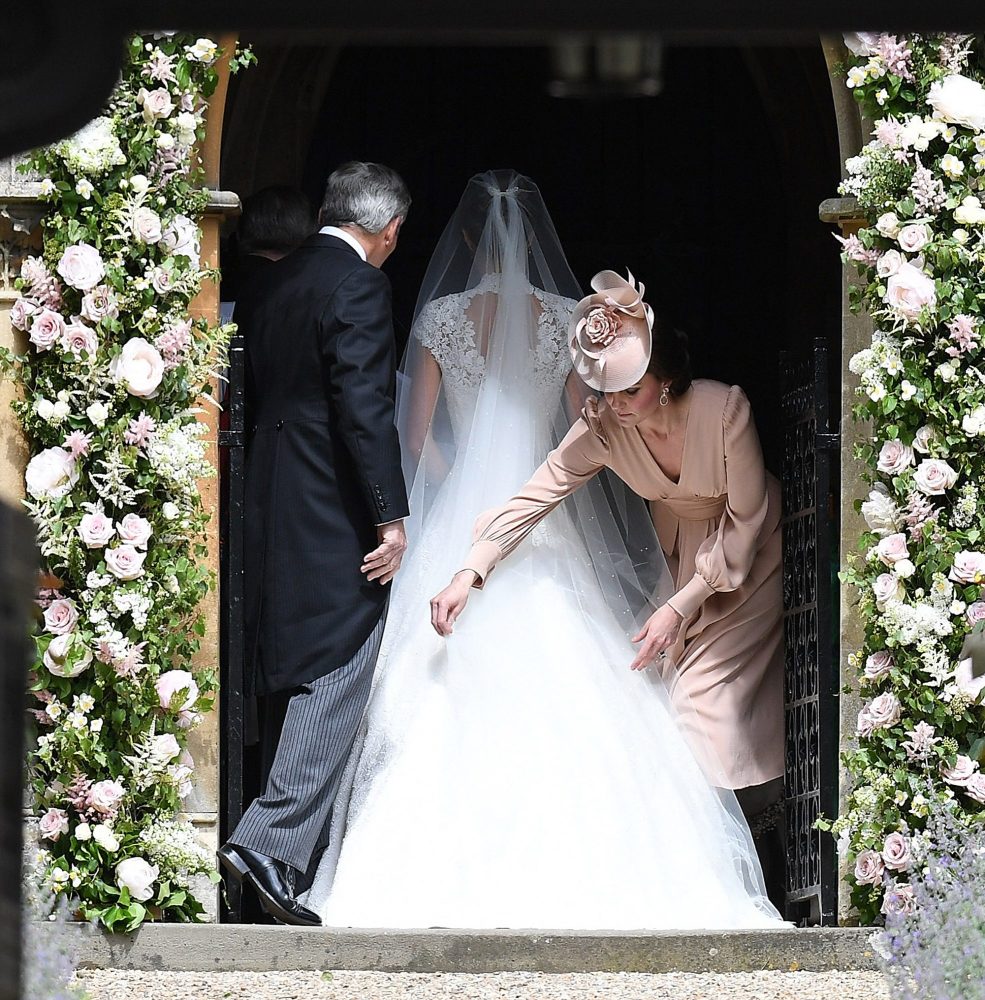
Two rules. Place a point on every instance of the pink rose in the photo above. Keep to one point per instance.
(21, 312)
(79, 338)
(934, 477)
(140, 367)
(134, 530)
(99, 304)
(899, 900)
(188, 720)
(181, 238)
(975, 612)
(47, 328)
(896, 852)
(105, 797)
(81, 266)
(894, 457)
(975, 788)
(914, 237)
(960, 771)
(62, 659)
(51, 473)
(157, 104)
(968, 567)
(924, 439)
(884, 710)
(173, 681)
(889, 263)
(869, 867)
(892, 549)
(160, 279)
(864, 726)
(53, 824)
(125, 562)
(878, 665)
(146, 225)
(95, 530)
(60, 616)
(888, 589)
(909, 291)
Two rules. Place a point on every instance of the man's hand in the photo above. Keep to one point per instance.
(657, 635)
(450, 603)
(384, 561)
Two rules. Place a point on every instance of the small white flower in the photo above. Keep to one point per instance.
(96, 726)
(893, 364)
(960, 236)
(84, 189)
(952, 166)
(165, 141)
(169, 510)
(857, 76)
(60, 411)
(83, 832)
(204, 50)
(85, 702)
(97, 414)
(904, 569)
(54, 710)
(45, 409)
(958, 608)
(47, 188)
(877, 392)
(77, 720)
(947, 372)
(907, 390)
(882, 96)
(139, 184)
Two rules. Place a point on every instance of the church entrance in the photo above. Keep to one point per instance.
(699, 169)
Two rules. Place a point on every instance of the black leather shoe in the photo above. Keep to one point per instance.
(268, 876)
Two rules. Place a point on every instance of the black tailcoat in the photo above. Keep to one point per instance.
(323, 462)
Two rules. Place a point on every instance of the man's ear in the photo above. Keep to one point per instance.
(393, 228)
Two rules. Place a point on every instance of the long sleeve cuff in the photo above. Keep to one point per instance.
(482, 559)
(691, 596)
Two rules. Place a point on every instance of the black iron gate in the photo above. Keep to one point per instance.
(811, 688)
(232, 452)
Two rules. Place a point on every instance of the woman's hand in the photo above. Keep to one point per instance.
(657, 635)
(450, 603)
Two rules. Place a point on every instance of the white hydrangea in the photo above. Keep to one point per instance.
(176, 452)
(93, 150)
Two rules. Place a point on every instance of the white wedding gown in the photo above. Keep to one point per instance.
(518, 773)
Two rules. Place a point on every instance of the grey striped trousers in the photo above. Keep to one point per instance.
(290, 820)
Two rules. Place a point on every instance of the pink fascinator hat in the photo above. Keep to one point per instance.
(610, 333)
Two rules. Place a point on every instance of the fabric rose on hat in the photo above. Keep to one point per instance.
(140, 367)
(81, 266)
(51, 473)
(600, 327)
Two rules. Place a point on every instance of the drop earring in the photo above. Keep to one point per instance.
(664, 397)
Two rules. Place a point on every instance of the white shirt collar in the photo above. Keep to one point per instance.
(345, 237)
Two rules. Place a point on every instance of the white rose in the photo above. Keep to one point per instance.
(138, 877)
(914, 237)
(95, 530)
(165, 141)
(880, 513)
(894, 457)
(173, 681)
(163, 749)
(892, 549)
(83, 832)
(81, 266)
(959, 100)
(947, 372)
(934, 477)
(889, 263)
(960, 236)
(182, 239)
(973, 423)
(904, 569)
(169, 510)
(970, 212)
(157, 104)
(125, 562)
(103, 836)
(45, 409)
(888, 589)
(140, 367)
(862, 43)
(186, 124)
(51, 473)
(100, 303)
(58, 659)
(139, 184)
(97, 414)
(146, 225)
(909, 291)
(134, 530)
(888, 225)
(204, 50)
(968, 567)
(923, 440)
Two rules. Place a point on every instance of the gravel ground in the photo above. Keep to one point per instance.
(112, 984)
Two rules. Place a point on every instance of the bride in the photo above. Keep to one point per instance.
(519, 774)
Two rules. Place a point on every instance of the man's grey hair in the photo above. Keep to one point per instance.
(367, 195)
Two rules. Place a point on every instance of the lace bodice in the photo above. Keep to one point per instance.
(447, 330)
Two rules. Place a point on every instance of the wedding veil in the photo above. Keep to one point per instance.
(486, 390)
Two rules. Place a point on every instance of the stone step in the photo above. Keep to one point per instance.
(265, 948)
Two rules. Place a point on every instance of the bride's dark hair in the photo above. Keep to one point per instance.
(669, 356)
